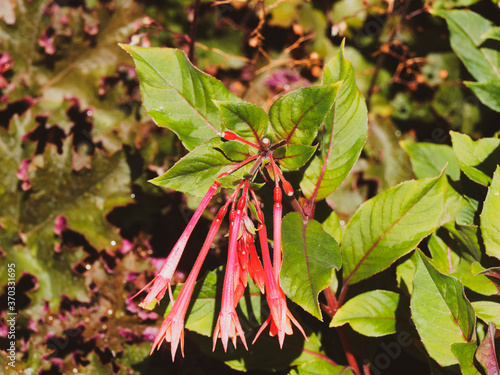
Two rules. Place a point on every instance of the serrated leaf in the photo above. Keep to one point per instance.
(464, 352)
(345, 130)
(296, 156)
(197, 171)
(247, 120)
(297, 116)
(488, 311)
(179, 96)
(486, 355)
(309, 258)
(234, 150)
(372, 313)
(479, 159)
(441, 312)
(488, 92)
(390, 225)
(490, 219)
(466, 30)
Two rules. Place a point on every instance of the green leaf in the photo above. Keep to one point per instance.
(488, 311)
(478, 160)
(309, 258)
(247, 120)
(297, 116)
(197, 171)
(466, 30)
(205, 304)
(320, 367)
(493, 33)
(490, 219)
(234, 150)
(428, 160)
(177, 95)
(332, 226)
(486, 354)
(296, 156)
(372, 313)
(390, 225)
(441, 312)
(488, 92)
(464, 352)
(262, 355)
(345, 130)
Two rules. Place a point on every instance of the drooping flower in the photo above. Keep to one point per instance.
(280, 318)
(228, 325)
(172, 329)
(242, 260)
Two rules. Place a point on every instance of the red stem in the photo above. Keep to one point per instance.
(333, 306)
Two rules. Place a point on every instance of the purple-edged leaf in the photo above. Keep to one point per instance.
(490, 220)
(486, 352)
(309, 258)
(197, 171)
(493, 274)
(346, 127)
(464, 352)
(177, 95)
(297, 116)
(296, 156)
(390, 225)
(441, 312)
(247, 120)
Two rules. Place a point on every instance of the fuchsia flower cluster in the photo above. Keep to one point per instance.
(242, 259)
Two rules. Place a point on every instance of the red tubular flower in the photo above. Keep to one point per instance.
(255, 269)
(161, 281)
(281, 319)
(172, 329)
(228, 325)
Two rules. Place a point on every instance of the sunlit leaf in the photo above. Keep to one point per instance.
(297, 116)
(441, 312)
(372, 313)
(488, 311)
(478, 160)
(179, 96)
(197, 171)
(310, 256)
(464, 352)
(490, 218)
(247, 120)
(296, 156)
(344, 135)
(390, 225)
